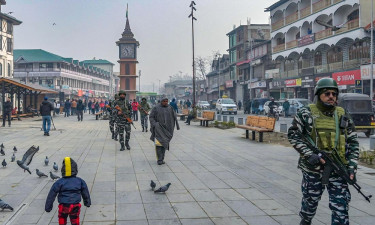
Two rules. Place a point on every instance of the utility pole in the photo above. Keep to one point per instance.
(372, 52)
(218, 58)
(251, 68)
(139, 81)
(192, 34)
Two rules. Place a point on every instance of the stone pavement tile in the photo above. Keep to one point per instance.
(189, 210)
(159, 211)
(128, 197)
(150, 197)
(27, 219)
(245, 208)
(217, 209)
(237, 183)
(99, 223)
(105, 177)
(215, 168)
(105, 198)
(190, 181)
(363, 220)
(134, 222)
(287, 220)
(228, 221)
(204, 195)
(228, 194)
(126, 186)
(125, 177)
(103, 186)
(165, 222)
(260, 220)
(271, 207)
(36, 207)
(146, 176)
(130, 212)
(225, 175)
(100, 213)
(183, 196)
(252, 194)
(197, 222)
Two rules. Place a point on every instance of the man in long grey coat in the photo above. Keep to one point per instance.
(163, 120)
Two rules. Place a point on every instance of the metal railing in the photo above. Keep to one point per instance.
(317, 6)
(305, 12)
(337, 1)
(350, 25)
(292, 44)
(323, 34)
(291, 18)
(277, 24)
(278, 48)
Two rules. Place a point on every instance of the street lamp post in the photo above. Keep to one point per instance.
(251, 68)
(139, 81)
(372, 51)
(192, 34)
(218, 58)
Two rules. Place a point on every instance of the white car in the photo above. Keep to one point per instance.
(226, 105)
(203, 104)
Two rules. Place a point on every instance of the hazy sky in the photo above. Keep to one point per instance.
(89, 28)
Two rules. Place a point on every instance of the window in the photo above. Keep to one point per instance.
(318, 59)
(9, 45)
(9, 28)
(1, 69)
(359, 50)
(9, 70)
(335, 55)
(127, 84)
(1, 42)
(127, 69)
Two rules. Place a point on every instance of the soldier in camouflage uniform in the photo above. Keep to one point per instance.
(319, 123)
(144, 109)
(112, 117)
(122, 124)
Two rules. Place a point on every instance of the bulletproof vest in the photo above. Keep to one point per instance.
(123, 105)
(324, 132)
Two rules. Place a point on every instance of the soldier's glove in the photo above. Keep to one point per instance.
(314, 159)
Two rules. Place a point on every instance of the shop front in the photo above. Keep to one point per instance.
(307, 88)
(259, 89)
(230, 90)
(346, 80)
(293, 87)
(276, 89)
(366, 77)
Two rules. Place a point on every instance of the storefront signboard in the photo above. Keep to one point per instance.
(258, 84)
(277, 84)
(293, 82)
(366, 72)
(269, 74)
(307, 82)
(347, 77)
(228, 83)
(306, 40)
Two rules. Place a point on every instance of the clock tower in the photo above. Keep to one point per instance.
(128, 61)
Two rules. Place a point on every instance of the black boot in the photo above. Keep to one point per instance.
(159, 155)
(146, 129)
(143, 129)
(113, 135)
(122, 147)
(115, 138)
(304, 222)
(127, 145)
(162, 155)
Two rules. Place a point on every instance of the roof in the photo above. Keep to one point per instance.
(353, 96)
(274, 6)
(10, 18)
(32, 87)
(37, 55)
(97, 61)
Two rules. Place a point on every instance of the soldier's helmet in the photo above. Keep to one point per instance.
(121, 92)
(326, 83)
(116, 96)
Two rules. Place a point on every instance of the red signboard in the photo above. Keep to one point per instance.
(229, 83)
(347, 77)
(306, 40)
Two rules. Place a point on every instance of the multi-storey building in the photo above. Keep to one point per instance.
(319, 38)
(72, 77)
(6, 42)
(239, 39)
(106, 66)
(219, 78)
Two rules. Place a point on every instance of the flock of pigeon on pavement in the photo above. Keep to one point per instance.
(26, 160)
(24, 164)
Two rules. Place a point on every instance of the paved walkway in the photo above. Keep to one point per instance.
(217, 177)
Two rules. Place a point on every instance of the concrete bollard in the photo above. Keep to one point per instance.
(231, 119)
(283, 128)
(218, 117)
(240, 121)
(372, 142)
(199, 114)
(225, 118)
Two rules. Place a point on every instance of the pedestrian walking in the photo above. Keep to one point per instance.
(69, 190)
(45, 110)
(89, 106)
(7, 112)
(93, 107)
(123, 117)
(163, 120)
(239, 104)
(97, 106)
(135, 110)
(67, 107)
(318, 124)
(101, 105)
(80, 108)
(188, 103)
(174, 105)
(144, 109)
(286, 106)
(85, 106)
(74, 107)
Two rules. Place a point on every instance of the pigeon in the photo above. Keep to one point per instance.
(55, 166)
(13, 158)
(54, 24)
(46, 161)
(153, 185)
(163, 189)
(2, 151)
(4, 163)
(4, 205)
(14, 148)
(27, 157)
(53, 176)
(40, 174)
(10, 13)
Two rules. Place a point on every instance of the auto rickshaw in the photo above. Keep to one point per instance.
(359, 106)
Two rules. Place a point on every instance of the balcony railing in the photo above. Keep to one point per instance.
(335, 66)
(277, 24)
(305, 12)
(291, 44)
(317, 6)
(291, 18)
(278, 48)
(293, 73)
(323, 34)
(321, 69)
(350, 25)
(337, 1)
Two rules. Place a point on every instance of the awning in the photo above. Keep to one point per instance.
(243, 62)
(11, 82)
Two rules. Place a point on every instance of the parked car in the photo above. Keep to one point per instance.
(226, 105)
(260, 109)
(360, 109)
(296, 104)
(203, 104)
(267, 108)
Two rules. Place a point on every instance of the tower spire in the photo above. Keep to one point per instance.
(127, 34)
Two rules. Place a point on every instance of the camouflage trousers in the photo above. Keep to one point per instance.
(339, 197)
(111, 124)
(121, 128)
(144, 121)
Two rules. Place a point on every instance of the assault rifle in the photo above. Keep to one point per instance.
(333, 162)
(141, 108)
(125, 116)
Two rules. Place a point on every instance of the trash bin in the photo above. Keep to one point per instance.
(231, 119)
(218, 117)
(240, 121)
(283, 128)
(225, 118)
(372, 142)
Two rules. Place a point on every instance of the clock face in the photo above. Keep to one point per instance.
(127, 51)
